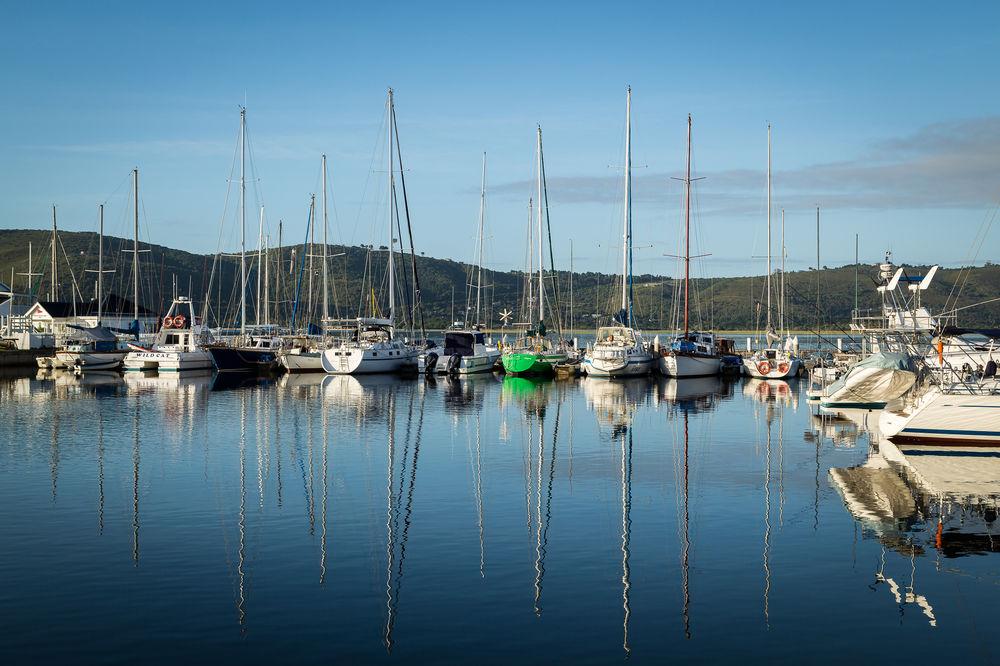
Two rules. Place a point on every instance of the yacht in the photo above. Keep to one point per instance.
(372, 349)
(178, 346)
(465, 351)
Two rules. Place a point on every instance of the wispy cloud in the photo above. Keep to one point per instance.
(944, 165)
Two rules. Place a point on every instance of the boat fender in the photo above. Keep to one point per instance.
(991, 369)
(430, 362)
(454, 363)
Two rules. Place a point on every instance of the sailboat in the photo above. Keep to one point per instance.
(304, 353)
(693, 354)
(466, 349)
(771, 362)
(534, 353)
(621, 350)
(245, 353)
(374, 348)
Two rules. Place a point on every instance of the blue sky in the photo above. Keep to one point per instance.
(887, 115)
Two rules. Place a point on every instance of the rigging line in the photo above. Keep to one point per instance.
(409, 227)
(548, 227)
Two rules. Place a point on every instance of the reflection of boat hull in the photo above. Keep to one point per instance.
(243, 359)
(688, 365)
(302, 361)
(941, 418)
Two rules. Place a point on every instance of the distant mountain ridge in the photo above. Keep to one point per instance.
(720, 303)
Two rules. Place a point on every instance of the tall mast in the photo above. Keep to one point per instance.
(100, 265)
(482, 222)
(135, 247)
(570, 284)
(818, 311)
(267, 285)
(326, 284)
(243, 221)
(781, 288)
(392, 200)
(281, 258)
(627, 218)
(541, 284)
(769, 227)
(53, 291)
(687, 230)
(531, 257)
(260, 262)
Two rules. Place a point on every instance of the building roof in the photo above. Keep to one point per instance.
(114, 305)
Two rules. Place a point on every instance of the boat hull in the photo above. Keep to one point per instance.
(357, 361)
(466, 365)
(689, 365)
(752, 369)
(138, 361)
(310, 361)
(946, 419)
(633, 365)
(243, 359)
(531, 364)
(91, 360)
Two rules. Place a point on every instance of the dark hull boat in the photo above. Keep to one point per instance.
(243, 359)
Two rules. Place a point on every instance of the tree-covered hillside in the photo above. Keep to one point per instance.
(724, 303)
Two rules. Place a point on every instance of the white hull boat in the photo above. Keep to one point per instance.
(465, 352)
(377, 358)
(772, 364)
(177, 347)
(689, 365)
(618, 352)
(302, 360)
(937, 417)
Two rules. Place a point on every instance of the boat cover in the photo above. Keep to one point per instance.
(97, 333)
(881, 360)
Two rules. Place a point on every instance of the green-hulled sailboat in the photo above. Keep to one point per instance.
(534, 353)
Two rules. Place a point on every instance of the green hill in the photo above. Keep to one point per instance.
(722, 303)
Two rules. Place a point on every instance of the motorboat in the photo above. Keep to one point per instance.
(92, 348)
(178, 345)
(465, 351)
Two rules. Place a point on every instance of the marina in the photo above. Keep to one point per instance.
(499, 334)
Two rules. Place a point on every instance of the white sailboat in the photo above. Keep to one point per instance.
(772, 362)
(693, 354)
(374, 348)
(621, 350)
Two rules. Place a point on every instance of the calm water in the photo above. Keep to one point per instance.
(161, 520)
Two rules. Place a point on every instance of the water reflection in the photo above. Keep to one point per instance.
(328, 548)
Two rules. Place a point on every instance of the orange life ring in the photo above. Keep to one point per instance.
(179, 321)
(764, 367)
(168, 322)
(783, 367)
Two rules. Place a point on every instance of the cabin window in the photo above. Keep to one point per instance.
(374, 353)
(173, 339)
